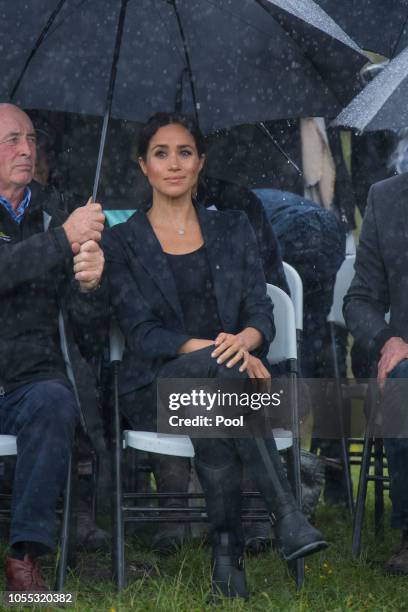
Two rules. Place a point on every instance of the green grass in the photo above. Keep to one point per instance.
(334, 580)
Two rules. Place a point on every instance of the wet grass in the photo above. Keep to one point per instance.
(334, 580)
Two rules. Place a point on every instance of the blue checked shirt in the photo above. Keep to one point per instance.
(17, 214)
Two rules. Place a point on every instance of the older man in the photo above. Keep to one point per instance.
(380, 285)
(50, 280)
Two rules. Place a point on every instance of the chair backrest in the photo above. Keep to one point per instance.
(116, 342)
(283, 346)
(350, 244)
(117, 216)
(344, 277)
(296, 292)
(8, 445)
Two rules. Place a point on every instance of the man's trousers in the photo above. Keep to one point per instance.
(43, 415)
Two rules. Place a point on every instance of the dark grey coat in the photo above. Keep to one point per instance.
(380, 283)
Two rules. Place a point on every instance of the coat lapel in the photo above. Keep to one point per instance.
(151, 256)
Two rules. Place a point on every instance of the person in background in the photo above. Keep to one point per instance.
(380, 285)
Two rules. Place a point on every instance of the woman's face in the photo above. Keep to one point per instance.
(172, 163)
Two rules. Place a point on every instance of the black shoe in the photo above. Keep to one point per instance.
(334, 493)
(295, 536)
(228, 577)
(397, 564)
(258, 537)
(169, 539)
(89, 536)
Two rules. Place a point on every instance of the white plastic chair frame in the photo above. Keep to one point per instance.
(344, 277)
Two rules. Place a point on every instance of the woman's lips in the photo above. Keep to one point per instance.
(174, 179)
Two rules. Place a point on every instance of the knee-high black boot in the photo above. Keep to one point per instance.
(222, 489)
(295, 536)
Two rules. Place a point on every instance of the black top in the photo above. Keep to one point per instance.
(195, 290)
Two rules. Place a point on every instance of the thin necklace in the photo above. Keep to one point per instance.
(181, 231)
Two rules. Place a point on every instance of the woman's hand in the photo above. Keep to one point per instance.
(256, 368)
(231, 348)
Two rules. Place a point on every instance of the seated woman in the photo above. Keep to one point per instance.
(190, 297)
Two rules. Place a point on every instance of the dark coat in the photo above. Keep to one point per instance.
(381, 278)
(145, 298)
(47, 254)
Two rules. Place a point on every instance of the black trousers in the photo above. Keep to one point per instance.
(219, 461)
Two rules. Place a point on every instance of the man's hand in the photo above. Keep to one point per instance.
(84, 224)
(392, 353)
(88, 265)
(231, 347)
(256, 368)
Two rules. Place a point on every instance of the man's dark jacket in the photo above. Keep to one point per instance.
(36, 272)
(381, 270)
(144, 293)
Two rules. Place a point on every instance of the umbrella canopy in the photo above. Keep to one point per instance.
(382, 105)
(376, 25)
(228, 61)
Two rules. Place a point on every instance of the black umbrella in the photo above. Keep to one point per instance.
(382, 105)
(376, 25)
(226, 61)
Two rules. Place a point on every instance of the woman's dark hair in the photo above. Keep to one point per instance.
(160, 120)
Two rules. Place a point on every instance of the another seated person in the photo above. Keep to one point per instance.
(42, 273)
(380, 285)
(190, 296)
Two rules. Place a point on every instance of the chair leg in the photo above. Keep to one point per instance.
(118, 543)
(379, 487)
(294, 473)
(65, 531)
(344, 455)
(361, 496)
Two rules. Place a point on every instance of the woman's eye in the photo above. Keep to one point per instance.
(160, 154)
(185, 153)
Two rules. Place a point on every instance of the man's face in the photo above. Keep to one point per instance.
(17, 149)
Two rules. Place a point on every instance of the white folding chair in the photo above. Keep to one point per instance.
(8, 448)
(350, 244)
(344, 277)
(8, 445)
(296, 293)
(283, 348)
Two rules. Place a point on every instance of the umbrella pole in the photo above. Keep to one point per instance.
(187, 57)
(37, 45)
(109, 97)
(269, 134)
